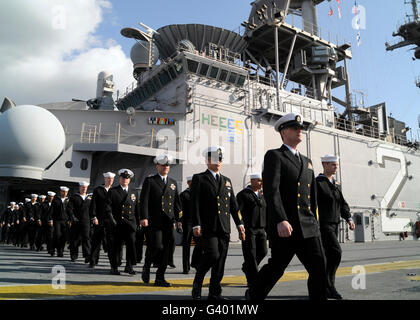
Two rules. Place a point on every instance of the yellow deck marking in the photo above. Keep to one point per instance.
(112, 288)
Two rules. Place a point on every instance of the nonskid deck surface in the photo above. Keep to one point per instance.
(392, 272)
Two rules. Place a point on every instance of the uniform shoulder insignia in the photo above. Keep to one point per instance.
(228, 184)
(310, 166)
(337, 183)
(173, 187)
(133, 197)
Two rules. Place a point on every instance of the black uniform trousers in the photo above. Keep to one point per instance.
(215, 249)
(32, 228)
(140, 233)
(60, 236)
(116, 236)
(158, 246)
(44, 235)
(332, 249)
(98, 236)
(80, 234)
(309, 251)
(254, 249)
(187, 236)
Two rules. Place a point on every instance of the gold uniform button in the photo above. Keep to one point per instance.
(219, 211)
(298, 195)
(218, 204)
(309, 197)
(309, 208)
(298, 184)
(298, 207)
(170, 203)
(170, 197)
(218, 197)
(170, 210)
(309, 185)
(226, 206)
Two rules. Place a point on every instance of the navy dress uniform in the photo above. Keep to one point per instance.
(253, 209)
(41, 220)
(187, 234)
(97, 211)
(121, 208)
(161, 206)
(59, 217)
(32, 212)
(5, 222)
(213, 203)
(78, 212)
(332, 207)
(290, 192)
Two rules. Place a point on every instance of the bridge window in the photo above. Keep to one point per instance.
(232, 77)
(213, 72)
(223, 75)
(241, 80)
(204, 68)
(192, 65)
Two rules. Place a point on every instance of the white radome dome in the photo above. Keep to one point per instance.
(31, 139)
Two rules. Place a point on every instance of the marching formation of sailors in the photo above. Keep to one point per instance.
(286, 205)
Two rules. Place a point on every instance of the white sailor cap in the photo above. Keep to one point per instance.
(51, 194)
(42, 196)
(126, 173)
(17, 206)
(330, 158)
(289, 120)
(12, 203)
(34, 195)
(27, 200)
(214, 152)
(83, 184)
(255, 175)
(109, 175)
(189, 178)
(164, 159)
(21, 203)
(64, 188)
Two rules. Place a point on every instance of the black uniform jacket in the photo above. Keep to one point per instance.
(44, 211)
(78, 209)
(158, 200)
(58, 210)
(253, 210)
(331, 203)
(213, 204)
(123, 206)
(290, 191)
(97, 205)
(185, 198)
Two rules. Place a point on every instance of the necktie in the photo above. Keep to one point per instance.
(297, 156)
(217, 178)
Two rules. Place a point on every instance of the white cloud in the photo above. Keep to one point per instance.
(49, 51)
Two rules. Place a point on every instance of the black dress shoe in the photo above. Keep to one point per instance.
(130, 271)
(219, 297)
(145, 275)
(91, 265)
(185, 272)
(171, 266)
(115, 272)
(162, 283)
(87, 260)
(73, 259)
(333, 294)
(196, 291)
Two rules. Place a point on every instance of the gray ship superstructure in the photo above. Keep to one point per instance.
(214, 86)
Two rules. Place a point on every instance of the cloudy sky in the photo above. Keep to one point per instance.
(52, 50)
